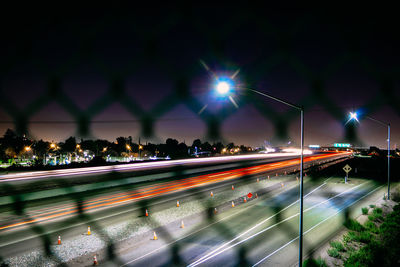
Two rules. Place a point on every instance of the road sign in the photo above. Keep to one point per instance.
(249, 195)
(347, 168)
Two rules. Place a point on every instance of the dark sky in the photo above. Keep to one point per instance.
(124, 70)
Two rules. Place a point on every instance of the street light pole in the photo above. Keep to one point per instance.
(388, 150)
(388, 171)
(354, 116)
(223, 88)
(301, 109)
(301, 189)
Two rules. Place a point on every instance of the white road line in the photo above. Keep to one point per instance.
(309, 230)
(255, 226)
(223, 219)
(214, 253)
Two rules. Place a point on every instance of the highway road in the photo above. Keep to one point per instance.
(135, 167)
(18, 233)
(263, 231)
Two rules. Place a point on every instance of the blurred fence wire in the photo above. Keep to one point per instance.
(152, 48)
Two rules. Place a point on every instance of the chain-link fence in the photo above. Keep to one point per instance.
(172, 45)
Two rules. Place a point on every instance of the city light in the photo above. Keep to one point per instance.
(52, 145)
(27, 148)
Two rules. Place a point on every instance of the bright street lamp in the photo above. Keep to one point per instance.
(223, 88)
(353, 116)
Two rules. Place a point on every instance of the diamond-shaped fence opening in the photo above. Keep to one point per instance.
(149, 52)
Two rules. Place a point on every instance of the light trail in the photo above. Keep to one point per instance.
(315, 226)
(155, 190)
(135, 166)
(211, 224)
(218, 251)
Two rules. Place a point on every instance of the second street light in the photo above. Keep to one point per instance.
(224, 87)
(354, 116)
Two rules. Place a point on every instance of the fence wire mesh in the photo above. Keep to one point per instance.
(153, 48)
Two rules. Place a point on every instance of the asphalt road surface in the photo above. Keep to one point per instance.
(253, 231)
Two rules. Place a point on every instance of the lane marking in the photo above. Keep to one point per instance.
(309, 230)
(257, 225)
(209, 225)
(216, 186)
(213, 253)
(192, 182)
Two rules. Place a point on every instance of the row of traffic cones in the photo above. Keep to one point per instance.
(95, 262)
(89, 232)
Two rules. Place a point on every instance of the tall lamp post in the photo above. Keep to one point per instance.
(354, 116)
(224, 87)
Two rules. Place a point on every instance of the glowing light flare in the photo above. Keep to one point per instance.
(223, 87)
(352, 116)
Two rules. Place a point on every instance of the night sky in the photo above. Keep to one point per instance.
(136, 72)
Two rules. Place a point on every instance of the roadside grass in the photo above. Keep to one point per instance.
(376, 243)
(364, 210)
(333, 252)
(371, 226)
(353, 225)
(376, 215)
(366, 256)
(337, 245)
(314, 263)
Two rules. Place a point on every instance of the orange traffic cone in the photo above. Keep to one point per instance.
(245, 199)
(88, 231)
(258, 179)
(147, 213)
(276, 174)
(211, 194)
(215, 210)
(305, 174)
(177, 203)
(285, 172)
(182, 225)
(59, 240)
(95, 260)
(155, 236)
(268, 177)
(233, 188)
(233, 204)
